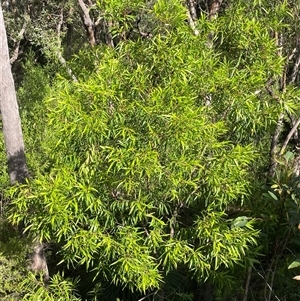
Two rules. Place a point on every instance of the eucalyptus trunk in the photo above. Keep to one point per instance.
(13, 136)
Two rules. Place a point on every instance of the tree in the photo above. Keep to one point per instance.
(143, 173)
(17, 167)
(13, 136)
(151, 177)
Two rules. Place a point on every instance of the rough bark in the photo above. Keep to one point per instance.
(38, 263)
(214, 9)
(13, 136)
(192, 15)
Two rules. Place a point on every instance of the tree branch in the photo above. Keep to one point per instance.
(295, 70)
(247, 284)
(289, 136)
(192, 16)
(19, 39)
(108, 37)
(214, 9)
(88, 23)
(58, 53)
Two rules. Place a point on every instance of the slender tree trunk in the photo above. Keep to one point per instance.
(11, 123)
(13, 136)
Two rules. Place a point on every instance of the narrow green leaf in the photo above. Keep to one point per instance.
(273, 195)
(294, 264)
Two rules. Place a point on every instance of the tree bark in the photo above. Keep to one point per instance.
(13, 136)
(88, 23)
(192, 15)
(12, 131)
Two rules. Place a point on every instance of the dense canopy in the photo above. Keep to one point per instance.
(162, 146)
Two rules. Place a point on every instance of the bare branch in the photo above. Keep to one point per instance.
(289, 136)
(292, 54)
(247, 284)
(147, 296)
(88, 23)
(58, 53)
(268, 285)
(143, 34)
(295, 70)
(269, 89)
(214, 9)
(20, 37)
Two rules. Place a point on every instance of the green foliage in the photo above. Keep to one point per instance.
(4, 180)
(279, 223)
(294, 264)
(142, 173)
(121, 15)
(250, 59)
(34, 88)
(60, 289)
(148, 169)
(10, 278)
(12, 262)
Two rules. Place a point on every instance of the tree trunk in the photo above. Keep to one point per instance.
(17, 167)
(13, 136)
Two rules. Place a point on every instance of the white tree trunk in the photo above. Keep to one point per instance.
(13, 136)
(11, 123)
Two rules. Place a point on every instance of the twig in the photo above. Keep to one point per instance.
(268, 285)
(147, 296)
(247, 284)
(289, 136)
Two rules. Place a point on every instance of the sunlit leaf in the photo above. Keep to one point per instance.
(240, 221)
(294, 264)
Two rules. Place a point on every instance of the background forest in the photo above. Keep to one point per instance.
(163, 151)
